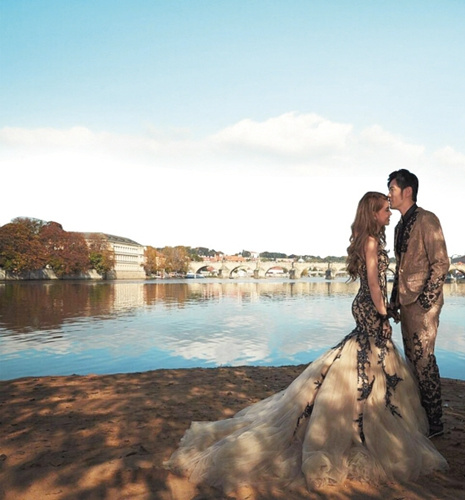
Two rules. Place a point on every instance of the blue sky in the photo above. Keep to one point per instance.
(230, 124)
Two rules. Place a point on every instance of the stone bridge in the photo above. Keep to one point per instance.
(457, 267)
(262, 269)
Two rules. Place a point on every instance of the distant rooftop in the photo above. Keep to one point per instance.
(112, 238)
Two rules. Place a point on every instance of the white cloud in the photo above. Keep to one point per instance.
(291, 135)
(376, 137)
(290, 144)
(290, 183)
(47, 137)
(448, 156)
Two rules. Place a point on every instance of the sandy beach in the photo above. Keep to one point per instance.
(106, 436)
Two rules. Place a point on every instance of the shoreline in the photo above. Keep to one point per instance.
(106, 436)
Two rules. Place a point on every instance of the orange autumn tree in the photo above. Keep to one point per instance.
(67, 253)
(20, 247)
(176, 259)
(154, 261)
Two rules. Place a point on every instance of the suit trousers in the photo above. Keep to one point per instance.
(419, 329)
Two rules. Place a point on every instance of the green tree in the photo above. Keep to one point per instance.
(101, 255)
(196, 254)
(204, 252)
(272, 255)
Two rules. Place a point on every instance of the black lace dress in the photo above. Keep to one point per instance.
(353, 413)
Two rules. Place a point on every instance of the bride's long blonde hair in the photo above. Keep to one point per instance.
(364, 226)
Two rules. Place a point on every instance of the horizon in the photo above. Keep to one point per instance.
(244, 249)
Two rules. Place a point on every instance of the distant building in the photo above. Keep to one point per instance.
(234, 258)
(457, 259)
(129, 255)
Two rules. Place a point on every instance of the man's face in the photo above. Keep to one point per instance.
(395, 195)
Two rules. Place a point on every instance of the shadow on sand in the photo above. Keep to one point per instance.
(106, 437)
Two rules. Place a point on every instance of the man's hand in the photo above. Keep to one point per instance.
(393, 312)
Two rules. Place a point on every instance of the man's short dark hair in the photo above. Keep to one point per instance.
(404, 179)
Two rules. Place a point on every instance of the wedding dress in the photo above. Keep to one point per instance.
(354, 413)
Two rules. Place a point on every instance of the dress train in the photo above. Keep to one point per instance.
(354, 413)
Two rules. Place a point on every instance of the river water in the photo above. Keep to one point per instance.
(64, 328)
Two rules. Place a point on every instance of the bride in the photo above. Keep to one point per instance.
(354, 413)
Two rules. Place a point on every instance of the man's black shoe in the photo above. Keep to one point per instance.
(435, 431)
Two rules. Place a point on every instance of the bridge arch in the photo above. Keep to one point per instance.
(241, 270)
(277, 271)
(457, 267)
(296, 270)
(261, 269)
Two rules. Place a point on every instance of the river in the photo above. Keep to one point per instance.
(81, 327)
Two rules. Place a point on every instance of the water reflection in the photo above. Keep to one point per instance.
(34, 306)
(49, 328)
(29, 306)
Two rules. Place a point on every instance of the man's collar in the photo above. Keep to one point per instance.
(409, 213)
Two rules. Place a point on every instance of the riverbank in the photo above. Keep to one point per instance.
(105, 437)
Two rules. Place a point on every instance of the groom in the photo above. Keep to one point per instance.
(421, 267)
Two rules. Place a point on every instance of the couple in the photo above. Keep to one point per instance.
(359, 411)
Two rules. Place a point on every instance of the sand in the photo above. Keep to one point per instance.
(106, 436)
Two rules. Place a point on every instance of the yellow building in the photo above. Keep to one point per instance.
(129, 255)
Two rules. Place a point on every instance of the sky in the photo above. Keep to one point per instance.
(232, 125)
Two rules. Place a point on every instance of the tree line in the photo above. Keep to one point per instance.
(306, 258)
(28, 244)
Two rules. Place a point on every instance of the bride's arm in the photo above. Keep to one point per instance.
(371, 257)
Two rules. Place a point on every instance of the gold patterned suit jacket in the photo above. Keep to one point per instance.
(423, 263)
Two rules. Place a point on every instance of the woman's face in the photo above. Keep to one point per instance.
(382, 216)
